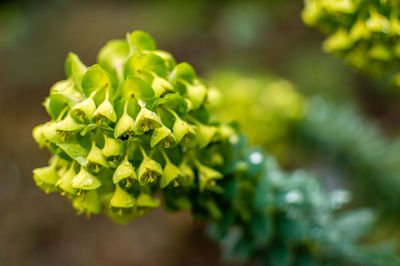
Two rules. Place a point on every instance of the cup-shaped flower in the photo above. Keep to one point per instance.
(125, 125)
(68, 124)
(171, 174)
(207, 176)
(160, 85)
(85, 181)
(196, 92)
(162, 135)
(105, 111)
(340, 40)
(84, 110)
(149, 170)
(204, 134)
(37, 134)
(112, 147)
(188, 172)
(46, 178)
(359, 31)
(49, 131)
(96, 158)
(183, 130)
(65, 182)
(377, 22)
(88, 202)
(146, 120)
(125, 170)
(146, 201)
(121, 198)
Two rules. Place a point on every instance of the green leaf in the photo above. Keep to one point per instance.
(140, 40)
(75, 151)
(75, 69)
(112, 57)
(95, 78)
(141, 63)
(137, 87)
(183, 71)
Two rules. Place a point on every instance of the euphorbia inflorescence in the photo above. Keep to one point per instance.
(122, 129)
(364, 33)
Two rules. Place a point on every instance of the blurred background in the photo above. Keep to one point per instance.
(261, 45)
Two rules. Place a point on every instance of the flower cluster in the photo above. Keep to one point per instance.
(364, 33)
(127, 127)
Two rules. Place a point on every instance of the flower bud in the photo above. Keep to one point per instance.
(88, 202)
(84, 110)
(124, 170)
(121, 198)
(146, 120)
(171, 173)
(183, 130)
(162, 134)
(105, 111)
(85, 181)
(149, 170)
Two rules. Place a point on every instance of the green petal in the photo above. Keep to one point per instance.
(142, 63)
(183, 71)
(197, 93)
(161, 86)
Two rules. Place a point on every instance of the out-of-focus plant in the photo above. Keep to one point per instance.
(287, 121)
(137, 124)
(265, 106)
(364, 33)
